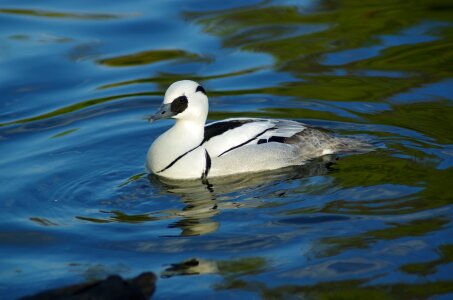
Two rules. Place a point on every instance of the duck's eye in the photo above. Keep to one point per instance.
(179, 105)
(200, 89)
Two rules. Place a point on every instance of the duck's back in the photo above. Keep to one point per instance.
(223, 137)
(250, 145)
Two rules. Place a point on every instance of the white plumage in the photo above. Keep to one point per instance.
(191, 149)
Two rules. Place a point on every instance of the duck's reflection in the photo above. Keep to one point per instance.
(205, 199)
(193, 266)
(198, 266)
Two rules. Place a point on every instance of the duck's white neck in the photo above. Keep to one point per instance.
(187, 130)
(182, 137)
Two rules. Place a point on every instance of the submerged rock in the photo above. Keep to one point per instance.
(112, 288)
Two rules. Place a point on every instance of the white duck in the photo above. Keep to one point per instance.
(190, 149)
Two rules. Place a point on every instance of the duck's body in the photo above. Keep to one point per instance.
(191, 149)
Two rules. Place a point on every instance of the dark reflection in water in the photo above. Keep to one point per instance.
(77, 79)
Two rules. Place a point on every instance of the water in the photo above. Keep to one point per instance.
(78, 77)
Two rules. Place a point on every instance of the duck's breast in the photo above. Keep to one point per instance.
(192, 165)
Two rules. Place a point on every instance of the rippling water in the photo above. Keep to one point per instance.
(77, 79)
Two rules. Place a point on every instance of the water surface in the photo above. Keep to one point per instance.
(77, 79)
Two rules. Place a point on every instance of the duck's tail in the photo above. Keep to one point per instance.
(313, 142)
(354, 145)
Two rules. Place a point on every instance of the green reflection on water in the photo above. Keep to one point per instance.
(165, 79)
(373, 169)
(427, 118)
(395, 231)
(75, 107)
(349, 289)
(429, 58)
(149, 57)
(426, 268)
(55, 14)
(43, 221)
(281, 112)
(303, 54)
(131, 179)
(64, 133)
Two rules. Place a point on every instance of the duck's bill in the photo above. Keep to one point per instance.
(164, 112)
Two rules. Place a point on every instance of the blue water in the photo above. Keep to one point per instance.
(77, 79)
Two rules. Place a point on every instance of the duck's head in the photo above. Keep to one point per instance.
(184, 100)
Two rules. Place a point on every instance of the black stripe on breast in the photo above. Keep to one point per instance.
(176, 159)
(208, 165)
(215, 129)
(210, 131)
(248, 141)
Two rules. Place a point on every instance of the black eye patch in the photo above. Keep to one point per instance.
(179, 105)
(200, 89)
